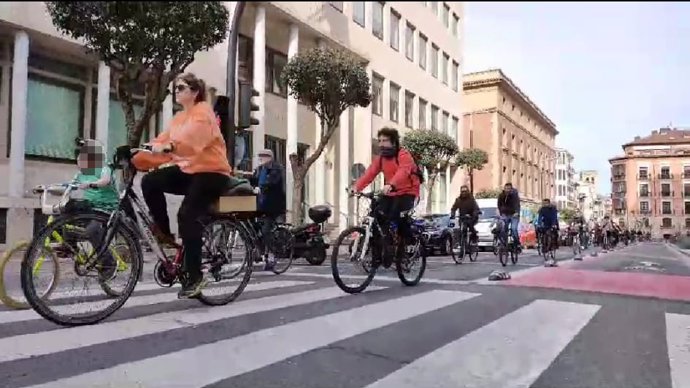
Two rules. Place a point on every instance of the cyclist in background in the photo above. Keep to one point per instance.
(509, 209)
(465, 204)
(548, 221)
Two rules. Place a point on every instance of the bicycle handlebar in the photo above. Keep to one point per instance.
(62, 189)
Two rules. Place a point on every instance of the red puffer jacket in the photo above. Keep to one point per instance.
(400, 174)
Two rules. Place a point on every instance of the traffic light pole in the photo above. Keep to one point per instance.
(231, 81)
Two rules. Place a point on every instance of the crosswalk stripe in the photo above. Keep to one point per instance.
(377, 278)
(165, 297)
(528, 339)
(210, 363)
(678, 343)
(36, 344)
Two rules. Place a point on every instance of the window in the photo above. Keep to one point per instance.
(454, 128)
(422, 114)
(665, 190)
(337, 5)
(48, 99)
(3, 226)
(454, 76)
(665, 172)
(686, 172)
(666, 223)
(642, 172)
(275, 62)
(666, 207)
(445, 14)
(444, 123)
(687, 223)
(394, 102)
(686, 190)
(687, 207)
(434, 118)
(455, 24)
(395, 30)
(422, 51)
(644, 207)
(377, 19)
(377, 95)
(444, 69)
(358, 13)
(644, 190)
(409, 106)
(409, 41)
(434, 60)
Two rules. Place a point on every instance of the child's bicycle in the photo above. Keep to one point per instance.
(54, 249)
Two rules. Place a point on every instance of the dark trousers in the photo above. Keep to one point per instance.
(200, 191)
(389, 209)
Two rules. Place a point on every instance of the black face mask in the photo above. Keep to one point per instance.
(464, 194)
(387, 152)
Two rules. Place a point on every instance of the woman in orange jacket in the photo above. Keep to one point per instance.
(200, 173)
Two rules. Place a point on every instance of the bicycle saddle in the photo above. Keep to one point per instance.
(238, 187)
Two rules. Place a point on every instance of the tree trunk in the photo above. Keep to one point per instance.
(471, 181)
(430, 191)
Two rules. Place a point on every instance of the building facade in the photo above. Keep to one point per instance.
(650, 182)
(413, 52)
(589, 200)
(566, 183)
(518, 137)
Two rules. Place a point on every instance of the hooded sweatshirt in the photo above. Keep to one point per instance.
(197, 141)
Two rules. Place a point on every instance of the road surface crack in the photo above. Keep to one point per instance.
(368, 353)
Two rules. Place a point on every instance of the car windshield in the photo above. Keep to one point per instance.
(437, 220)
(488, 213)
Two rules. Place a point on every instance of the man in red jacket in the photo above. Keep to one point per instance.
(401, 182)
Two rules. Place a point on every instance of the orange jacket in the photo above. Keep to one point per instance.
(399, 174)
(197, 141)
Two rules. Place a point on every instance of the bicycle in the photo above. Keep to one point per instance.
(168, 268)
(506, 244)
(52, 245)
(577, 243)
(549, 238)
(282, 243)
(465, 244)
(362, 241)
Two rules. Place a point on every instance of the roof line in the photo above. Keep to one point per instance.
(519, 91)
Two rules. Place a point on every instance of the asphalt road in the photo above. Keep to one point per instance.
(453, 330)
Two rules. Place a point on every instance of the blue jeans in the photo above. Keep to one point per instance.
(513, 222)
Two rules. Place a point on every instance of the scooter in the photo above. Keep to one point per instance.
(309, 239)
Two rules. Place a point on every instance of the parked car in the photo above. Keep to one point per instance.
(438, 232)
(486, 223)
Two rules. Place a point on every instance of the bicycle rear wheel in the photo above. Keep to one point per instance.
(71, 228)
(283, 249)
(349, 247)
(10, 267)
(226, 261)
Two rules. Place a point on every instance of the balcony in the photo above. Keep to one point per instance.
(643, 177)
(685, 175)
(618, 177)
(686, 194)
(644, 194)
(665, 176)
(667, 193)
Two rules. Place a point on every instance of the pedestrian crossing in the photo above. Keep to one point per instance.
(291, 332)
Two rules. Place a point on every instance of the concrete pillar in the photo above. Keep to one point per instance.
(292, 134)
(319, 166)
(103, 105)
(20, 80)
(167, 113)
(259, 131)
(344, 167)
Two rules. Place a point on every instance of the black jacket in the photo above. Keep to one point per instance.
(465, 206)
(508, 204)
(271, 200)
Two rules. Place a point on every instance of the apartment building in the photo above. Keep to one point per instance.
(413, 53)
(518, 137)
(590, 202)
(650, 182)
(566, 183)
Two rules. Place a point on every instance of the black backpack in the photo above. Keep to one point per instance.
(418, 171)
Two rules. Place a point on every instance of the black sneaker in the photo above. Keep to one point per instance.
(192, 289)
(107, 268)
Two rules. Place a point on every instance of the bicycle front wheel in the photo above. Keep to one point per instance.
(283, 249)
(78, 244)
(349, 248)
(10, 270)
(414, 256)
